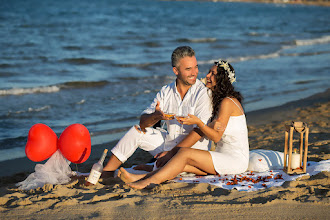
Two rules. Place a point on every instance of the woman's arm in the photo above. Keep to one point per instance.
(216, 128)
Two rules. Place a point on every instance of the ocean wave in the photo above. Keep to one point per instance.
(258, 34)
(255, 57)
(244, 58)
(13, 153)
(196, 40)
(139, 65)
(83, 84)
(5, 65)
(105, 47)
(7, 74)
(280, 52)
(81, 61)
(81, 102)
(150, 44)
(53, 88)
(154, 77)
(306, 53)
(305, 81)
(320, 40)
(256, 42)
(23, 91)
(252, 100)
(112, 120)
(72, 48)
(31, 110)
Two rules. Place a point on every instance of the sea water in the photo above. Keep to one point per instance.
(100, 63)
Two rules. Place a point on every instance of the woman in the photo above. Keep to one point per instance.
(227, 128)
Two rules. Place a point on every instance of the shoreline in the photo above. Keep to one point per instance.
(274, 116)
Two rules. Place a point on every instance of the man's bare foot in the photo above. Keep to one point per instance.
(129, 177)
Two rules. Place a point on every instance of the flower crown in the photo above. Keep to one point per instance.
(225, 65)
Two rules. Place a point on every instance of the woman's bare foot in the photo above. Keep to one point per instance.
(141, 184)
(129, 177)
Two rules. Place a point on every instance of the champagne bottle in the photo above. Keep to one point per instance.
(96, 171)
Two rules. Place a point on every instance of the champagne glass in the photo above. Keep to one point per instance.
(170, 112)
(170, 115)
(184, 114)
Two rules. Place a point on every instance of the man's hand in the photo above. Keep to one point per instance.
(148, 120)
(163, 158)
(160, 115)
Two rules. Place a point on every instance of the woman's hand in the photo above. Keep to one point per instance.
(190, 120)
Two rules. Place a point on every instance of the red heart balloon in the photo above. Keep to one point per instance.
(75, 143)
(41, 143)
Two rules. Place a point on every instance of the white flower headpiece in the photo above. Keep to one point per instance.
(225, 65)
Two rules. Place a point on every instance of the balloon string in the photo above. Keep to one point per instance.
(76, 167)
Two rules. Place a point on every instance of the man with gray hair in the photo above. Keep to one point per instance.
(186, 95)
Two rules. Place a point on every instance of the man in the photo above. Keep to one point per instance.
(185, 95)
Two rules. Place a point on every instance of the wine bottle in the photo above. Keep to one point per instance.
(96, 171)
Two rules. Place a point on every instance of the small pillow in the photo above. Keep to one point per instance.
(265, 160)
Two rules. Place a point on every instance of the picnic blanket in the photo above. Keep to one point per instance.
(250, 180)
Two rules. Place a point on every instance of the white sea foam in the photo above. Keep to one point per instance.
(278, 53)
(12, 153)
(245, 58)
(198, 40)
(23, 91)
(202, 40)
(31, 110)
(259, 57)
(38, 109)
(321, 40)
(81, 102)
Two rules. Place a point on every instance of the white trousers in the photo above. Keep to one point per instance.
(151, 141)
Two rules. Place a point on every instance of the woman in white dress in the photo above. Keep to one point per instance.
(227, 128)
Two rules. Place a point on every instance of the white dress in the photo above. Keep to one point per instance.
(231, 155)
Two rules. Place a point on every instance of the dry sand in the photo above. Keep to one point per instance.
(306, 198)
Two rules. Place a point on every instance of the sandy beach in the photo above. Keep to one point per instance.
(306, 198)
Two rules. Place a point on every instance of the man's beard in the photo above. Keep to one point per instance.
(186, 82)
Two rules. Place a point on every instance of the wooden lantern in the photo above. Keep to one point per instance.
(301, 128)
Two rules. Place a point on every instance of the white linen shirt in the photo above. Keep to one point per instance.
(196, 101)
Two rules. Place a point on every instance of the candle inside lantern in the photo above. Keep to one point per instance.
(295, 161)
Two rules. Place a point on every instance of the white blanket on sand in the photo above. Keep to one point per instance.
(249, 181)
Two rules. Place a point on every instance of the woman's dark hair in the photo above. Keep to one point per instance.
(223, 89)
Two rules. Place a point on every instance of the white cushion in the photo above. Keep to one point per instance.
(265, 160)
